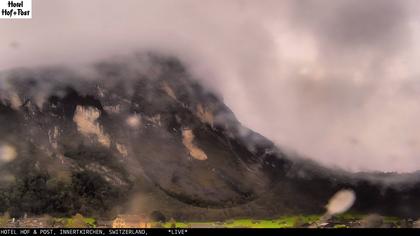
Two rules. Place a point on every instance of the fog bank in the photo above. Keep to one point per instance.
(337, 81)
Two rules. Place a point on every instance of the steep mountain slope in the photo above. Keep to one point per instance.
(139, 134)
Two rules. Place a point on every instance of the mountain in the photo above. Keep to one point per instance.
(140, 134)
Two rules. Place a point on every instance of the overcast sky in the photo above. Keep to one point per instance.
(337, 81)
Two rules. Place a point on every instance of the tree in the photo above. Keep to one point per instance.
(158, 216)
(172, 222)
(4, 220)
(77, 221)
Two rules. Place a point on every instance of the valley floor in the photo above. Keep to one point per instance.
(347, 220)
(309, 221)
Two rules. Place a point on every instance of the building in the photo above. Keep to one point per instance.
(131, 221)
(30, 222)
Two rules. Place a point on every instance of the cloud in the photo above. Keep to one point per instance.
(336, 81)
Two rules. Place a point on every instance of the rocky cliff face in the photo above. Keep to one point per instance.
(139, 134)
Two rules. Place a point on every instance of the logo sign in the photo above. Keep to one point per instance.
(17, 9)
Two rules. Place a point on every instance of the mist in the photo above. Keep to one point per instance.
(335, 81)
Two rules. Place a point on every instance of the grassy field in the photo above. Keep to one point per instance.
(282, 222)
(76, 221)
(338, 221)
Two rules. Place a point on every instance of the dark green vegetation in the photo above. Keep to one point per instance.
(146, 167)
(38, 192)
